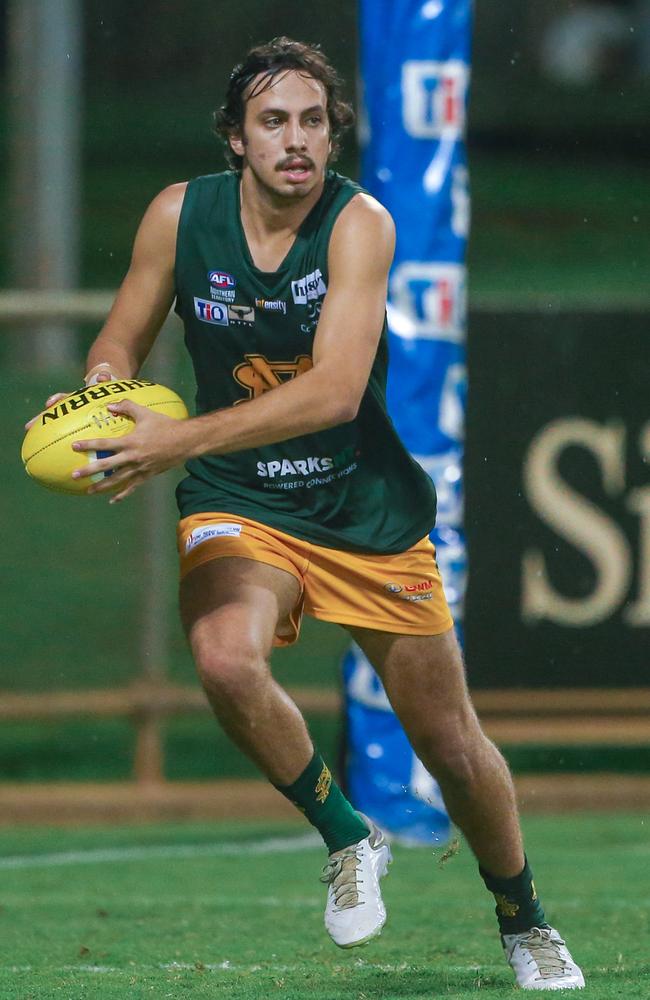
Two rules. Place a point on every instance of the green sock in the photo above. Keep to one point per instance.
(518, 908)
(318, 796)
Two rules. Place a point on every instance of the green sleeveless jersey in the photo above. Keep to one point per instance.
(351, 487)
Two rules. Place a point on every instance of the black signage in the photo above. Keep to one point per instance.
(558, 500)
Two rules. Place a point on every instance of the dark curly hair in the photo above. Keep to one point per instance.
(268, 61)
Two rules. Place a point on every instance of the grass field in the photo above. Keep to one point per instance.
(236, 911)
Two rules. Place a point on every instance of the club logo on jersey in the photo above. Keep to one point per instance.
(271, 305)
(222, 286)
(241, 315)
(310, 287)
(258, 375)
(422, 591)
(433, 98)
(211, 312)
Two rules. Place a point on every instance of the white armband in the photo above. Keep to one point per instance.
(92, 377)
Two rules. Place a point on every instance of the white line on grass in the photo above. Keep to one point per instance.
(273, 845)
(227, 966)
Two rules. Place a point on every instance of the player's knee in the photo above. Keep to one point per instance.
(450, 746)
(231, 672)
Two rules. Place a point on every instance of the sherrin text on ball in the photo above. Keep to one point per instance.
(47, 451)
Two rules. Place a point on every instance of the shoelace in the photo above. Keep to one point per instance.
(341, 873)
(545, 951)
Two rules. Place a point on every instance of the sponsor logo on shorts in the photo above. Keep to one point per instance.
(311, 286)
(422, 591)
(241, 315)
(222, 286)
(271, 305)
(208, 531)
(211, 312)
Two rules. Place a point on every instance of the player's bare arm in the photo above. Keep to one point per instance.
(146, 294)
(360, 254)
(144, 298)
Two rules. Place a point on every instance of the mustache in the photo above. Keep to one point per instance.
(292, 161)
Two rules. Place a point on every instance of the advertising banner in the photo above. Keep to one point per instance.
(558, 511)
(415, 76)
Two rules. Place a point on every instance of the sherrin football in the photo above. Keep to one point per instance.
(47, 449)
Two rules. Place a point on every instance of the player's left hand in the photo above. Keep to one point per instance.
(153, 446)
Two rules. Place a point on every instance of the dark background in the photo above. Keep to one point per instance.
(559, 167)
(557, 261)
(527, 371)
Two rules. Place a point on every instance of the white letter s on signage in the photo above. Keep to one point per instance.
(578, 520)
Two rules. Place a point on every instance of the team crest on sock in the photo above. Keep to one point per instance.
(323, 784)
(506, 907)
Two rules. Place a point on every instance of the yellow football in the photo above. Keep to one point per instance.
(47, 449)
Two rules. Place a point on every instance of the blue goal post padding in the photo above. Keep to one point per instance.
(415, 69)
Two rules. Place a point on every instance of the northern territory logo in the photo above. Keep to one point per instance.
(211, 312)
(222, 286)
(308, 288)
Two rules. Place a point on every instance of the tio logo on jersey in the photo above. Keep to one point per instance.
(427, 300)
(211, 312)
(433, 98)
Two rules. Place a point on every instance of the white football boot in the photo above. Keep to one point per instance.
(355, 911)
(541, 960)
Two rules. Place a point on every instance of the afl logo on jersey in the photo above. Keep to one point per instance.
(222, 286)
(221, 279)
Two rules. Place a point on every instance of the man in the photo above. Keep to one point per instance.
(303, 498)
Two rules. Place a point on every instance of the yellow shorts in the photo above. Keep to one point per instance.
(392, 593)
